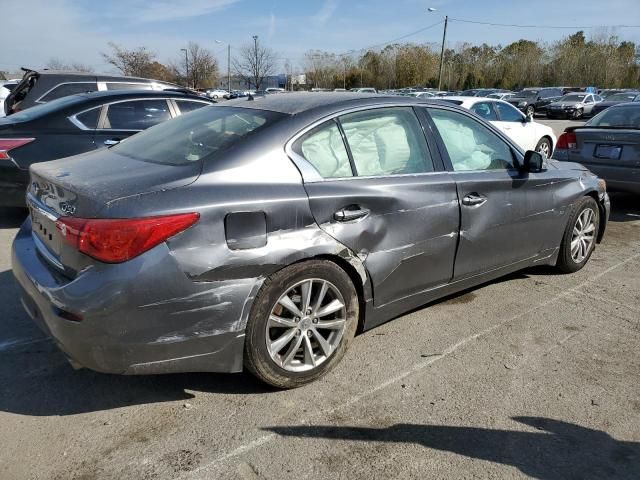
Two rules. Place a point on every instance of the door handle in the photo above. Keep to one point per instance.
(111, 142)
(474, 200)
(349, 214)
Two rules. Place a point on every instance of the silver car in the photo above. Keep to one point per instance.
(263, 234)
(573, 106)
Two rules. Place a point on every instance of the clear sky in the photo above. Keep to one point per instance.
(34, 31)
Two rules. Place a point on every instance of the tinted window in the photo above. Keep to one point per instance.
(619, 116)
(573, 97)
(90, 118)
(128, 86)
(470, 145)
(386, 141)
(485, 111)
(66, 89)
(137, 114)
(508, 113)
(41, 110)
(201, 134)
(621, 97)
(324, 149)
(186, 106)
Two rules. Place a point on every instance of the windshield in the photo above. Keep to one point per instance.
(622, 97)
(527, 94)
(42, 109)
(624, 116)
(196, 135)
(573, 97)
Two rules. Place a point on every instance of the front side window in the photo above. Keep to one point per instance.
(386, 141)
(508, 113)
(485, 111)
(324, 149)
(471, 145)
(200, 135)
(136, 114)
(66, 89)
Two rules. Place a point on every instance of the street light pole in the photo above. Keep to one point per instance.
(255, 69)
(229, 67)
(186, 65)
(444, 39)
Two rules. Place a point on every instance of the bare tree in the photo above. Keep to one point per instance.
(57, 64)
(134, 62)
(254, 63)
(201, 69)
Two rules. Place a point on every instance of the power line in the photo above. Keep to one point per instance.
(572, 27)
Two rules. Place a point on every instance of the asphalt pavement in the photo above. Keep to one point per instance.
(532, 376)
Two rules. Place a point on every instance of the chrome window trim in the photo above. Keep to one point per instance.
(73, 119)
(311, 175)
(39, 100)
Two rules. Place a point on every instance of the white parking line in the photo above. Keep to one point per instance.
(205, 470)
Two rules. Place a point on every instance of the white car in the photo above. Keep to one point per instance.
(216, 93)
(5, 90)
(526, 133)
(274, 90)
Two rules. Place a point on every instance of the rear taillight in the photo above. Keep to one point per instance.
(567, 141)
(8, 144)
(119, 240)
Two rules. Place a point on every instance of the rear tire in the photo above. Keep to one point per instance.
(295, 350)
(544, 147)
(580, 236)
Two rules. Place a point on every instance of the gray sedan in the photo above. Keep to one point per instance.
(609, 145)
(573, 105)
(263, 234)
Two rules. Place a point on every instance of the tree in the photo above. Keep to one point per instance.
(57, 64)
(135, 63)
(254, 62)
(202, 67)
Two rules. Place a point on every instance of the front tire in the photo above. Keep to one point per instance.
(580, 235)
(530, 111)
(301, 324)
(576, 115)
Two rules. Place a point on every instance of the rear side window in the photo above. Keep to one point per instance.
(386, 141)
(324, 149)
(470, 145)
(66, 89)
(200, 135)
(89, 118)
(128, 86)
(136, 114)
(187, 106)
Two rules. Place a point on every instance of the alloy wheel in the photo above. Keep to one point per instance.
(306, 325)
(583, 235)
(543, 148)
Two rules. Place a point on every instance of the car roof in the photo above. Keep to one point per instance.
(140, 93)
(298, 102)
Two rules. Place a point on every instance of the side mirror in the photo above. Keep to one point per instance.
(533, 162)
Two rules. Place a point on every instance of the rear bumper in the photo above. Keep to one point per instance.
(13, 185)
(140, 317)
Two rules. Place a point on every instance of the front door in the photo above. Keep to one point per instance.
(505, 214)
(385, 196)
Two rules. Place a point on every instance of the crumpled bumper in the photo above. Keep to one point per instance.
(139, 317)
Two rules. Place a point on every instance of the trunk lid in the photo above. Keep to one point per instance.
(20, 91)
(83, 186)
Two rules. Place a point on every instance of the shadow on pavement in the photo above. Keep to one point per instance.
(12, 217)
(624, 207)
(558, 451)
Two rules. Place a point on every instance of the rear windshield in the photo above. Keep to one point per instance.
(624, 116)
(43, 109)
(622, 97)
(193, 136)
(527, 94)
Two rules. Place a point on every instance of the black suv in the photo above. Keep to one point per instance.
(77, 124)
(42, 87)
(535, 100)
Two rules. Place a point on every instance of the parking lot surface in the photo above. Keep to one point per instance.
(535, 375)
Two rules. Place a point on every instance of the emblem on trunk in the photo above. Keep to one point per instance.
(67, 208)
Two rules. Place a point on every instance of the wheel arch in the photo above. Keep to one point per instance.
(601, 210)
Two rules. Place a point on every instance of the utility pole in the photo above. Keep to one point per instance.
(255, 49)
(444, 39)
(229, 66)
(186, 65)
